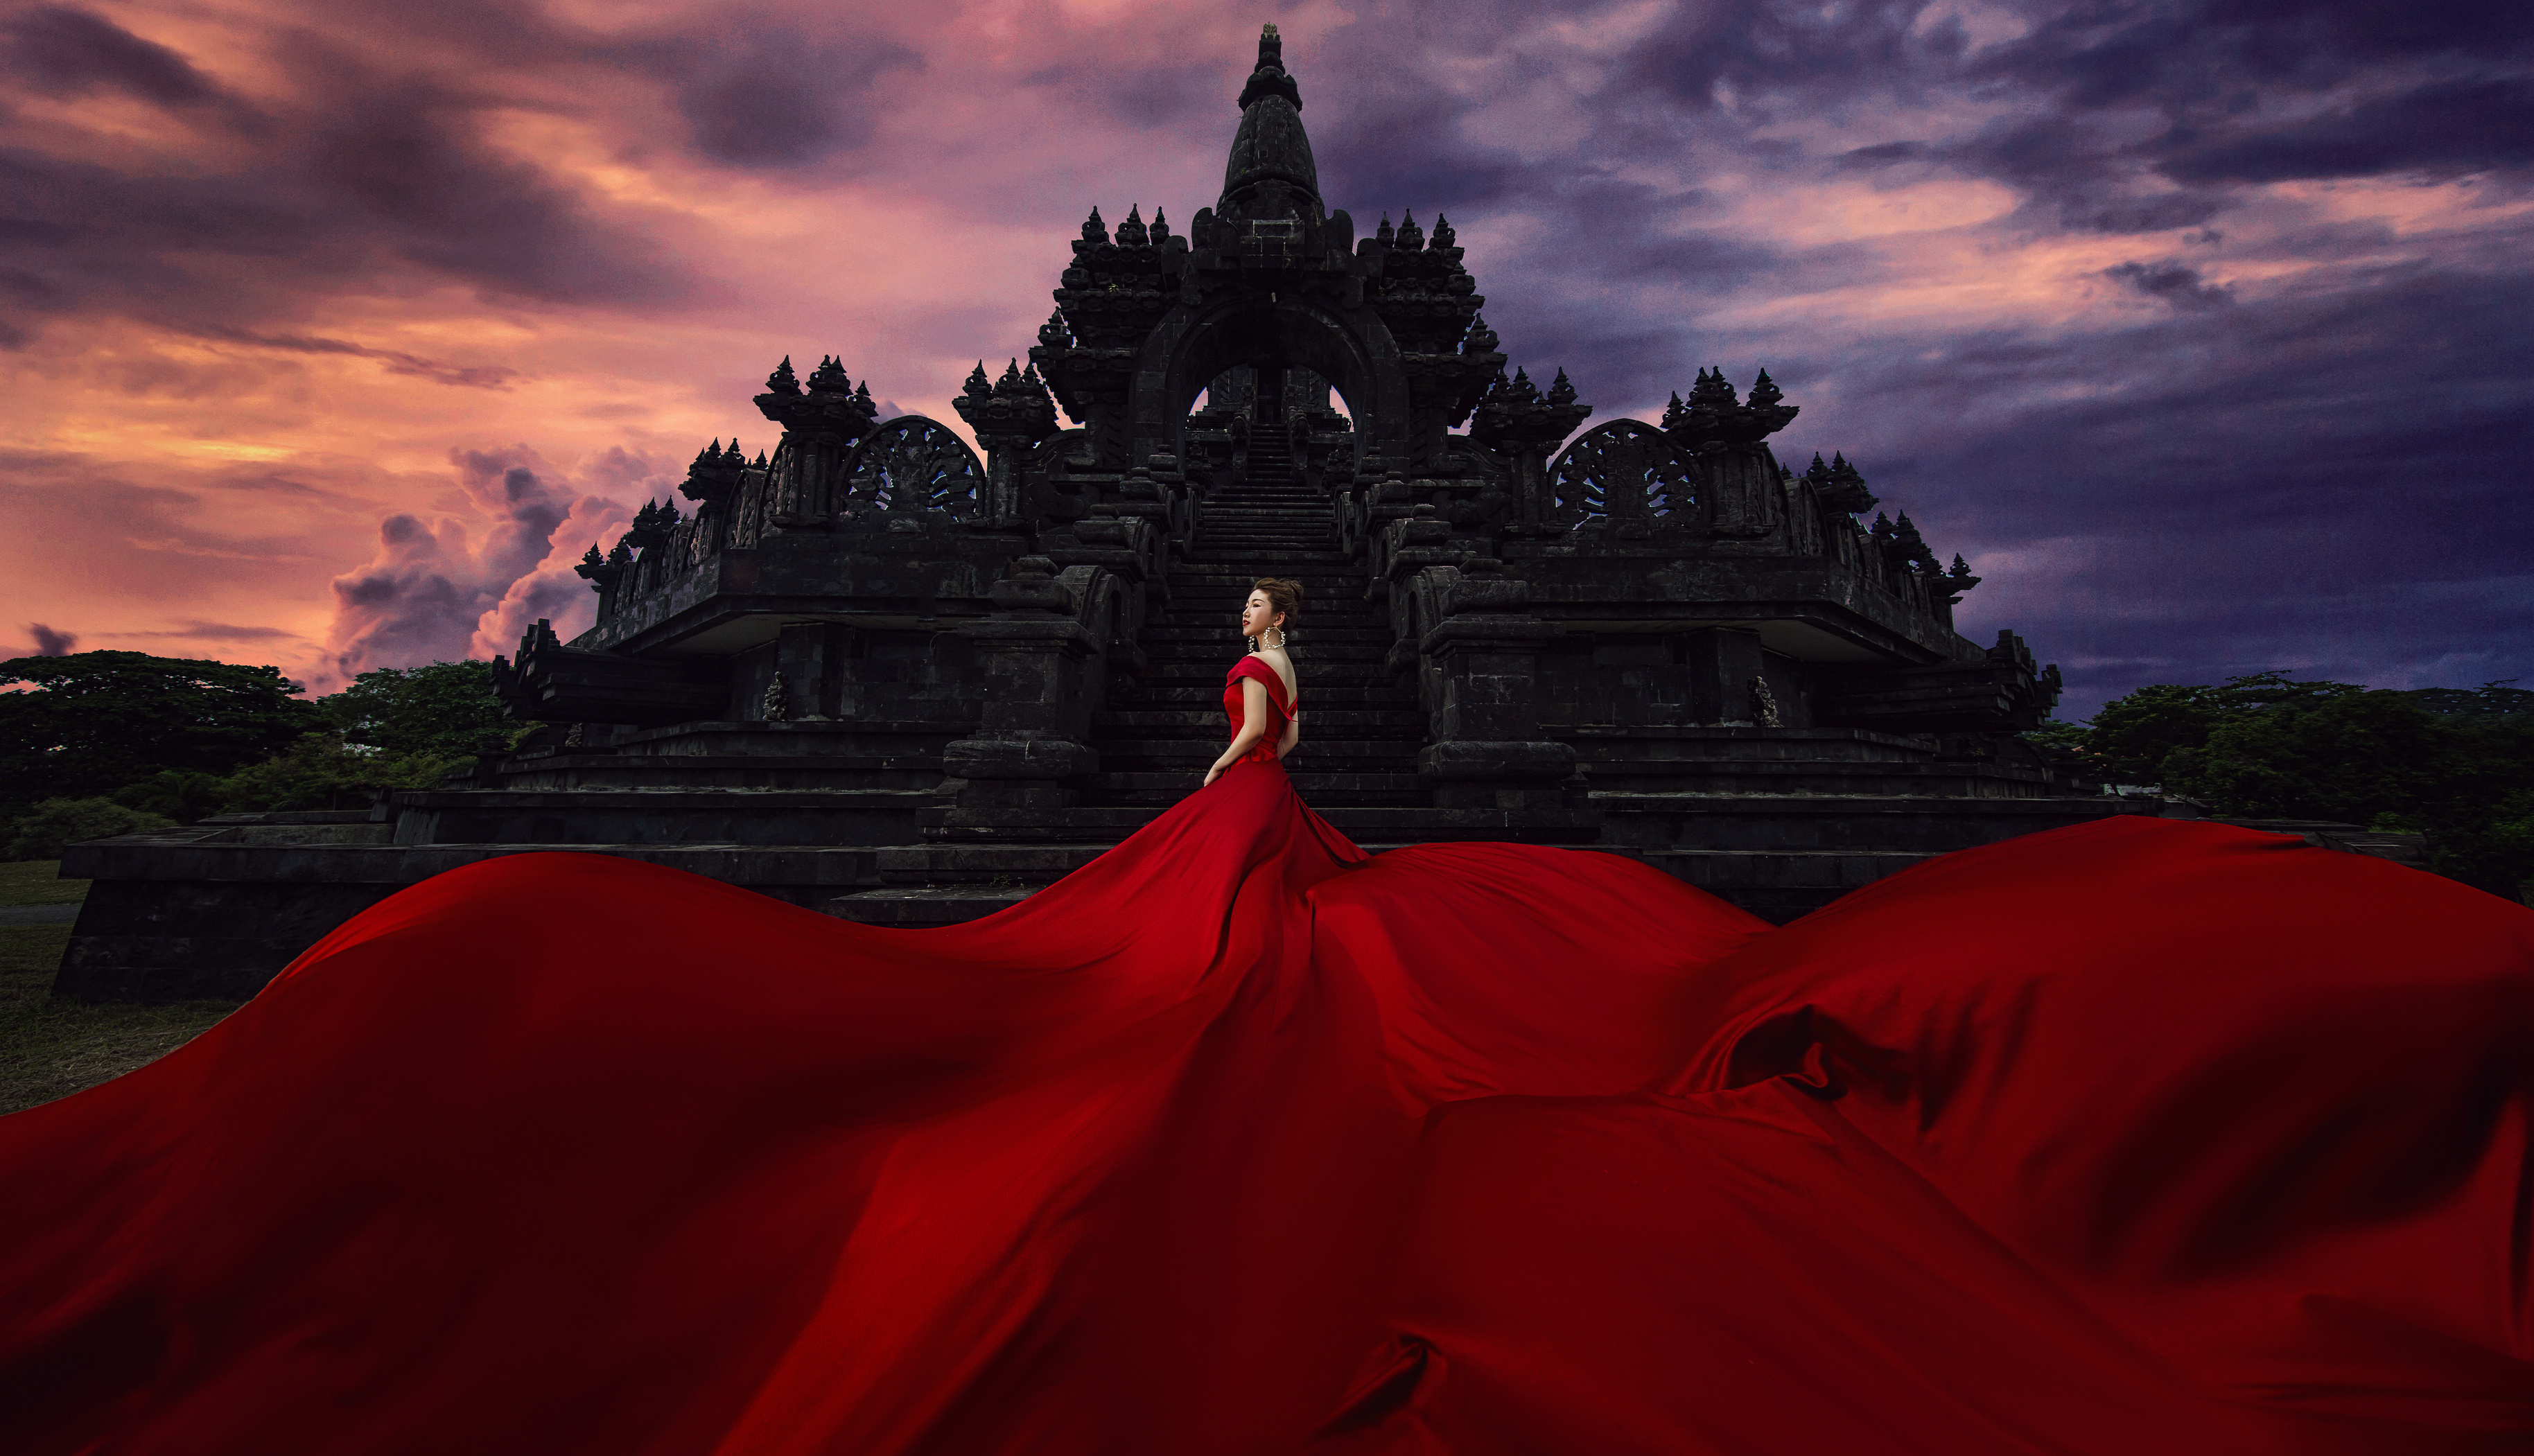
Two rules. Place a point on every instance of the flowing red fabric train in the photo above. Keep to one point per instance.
(2141, 1136)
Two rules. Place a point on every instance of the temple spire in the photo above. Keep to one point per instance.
(1271, 145)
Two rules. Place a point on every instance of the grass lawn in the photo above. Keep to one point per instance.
(37, 882)
(51, 1049)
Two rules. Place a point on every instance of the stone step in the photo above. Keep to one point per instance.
(1209, 696)
(1323, 755)
(1323, 630)
(680, 815)
(1353, 722)
(1350, 667)
(1322, 654)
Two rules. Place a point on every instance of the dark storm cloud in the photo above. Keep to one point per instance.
(63, 51)
(2176, 283)
(397, 361)
(763, 91)
(371, 167)
(2452, 127)
(2325, 485)
(215, 631)
(50, 642)
(2318, 473)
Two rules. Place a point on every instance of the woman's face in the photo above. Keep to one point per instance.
(1256, 617)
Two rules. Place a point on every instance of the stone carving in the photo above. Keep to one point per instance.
(912, 464)
(1763, 704)
(777, 706)
(1626, 474)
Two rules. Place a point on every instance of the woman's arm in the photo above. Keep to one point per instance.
(1293, 736)
(1253, 727)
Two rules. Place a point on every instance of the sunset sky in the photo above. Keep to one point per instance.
(333, 333)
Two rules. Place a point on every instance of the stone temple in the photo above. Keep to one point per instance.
(870, 672)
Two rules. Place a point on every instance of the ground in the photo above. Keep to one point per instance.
(49, 1048)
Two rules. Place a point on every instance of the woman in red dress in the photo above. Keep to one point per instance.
(2142, 1137)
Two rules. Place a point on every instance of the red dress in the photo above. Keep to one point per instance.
(1280, 707)
(2142, 1137)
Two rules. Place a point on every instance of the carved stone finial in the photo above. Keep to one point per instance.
(1161, 228)
(1269, 77)
(830, 378)
(1131, 233)
(1838, 485)
(1411, 238)
(1093, 229)
(1443, 234)
(782, 380)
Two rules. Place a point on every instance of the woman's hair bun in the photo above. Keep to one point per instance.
(1282, 596)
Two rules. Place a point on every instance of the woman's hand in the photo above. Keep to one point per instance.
(1211, 776)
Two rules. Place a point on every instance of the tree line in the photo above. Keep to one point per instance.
(115, 743)
(2453, 764)
(110, 742)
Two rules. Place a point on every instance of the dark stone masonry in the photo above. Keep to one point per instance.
(872, 674)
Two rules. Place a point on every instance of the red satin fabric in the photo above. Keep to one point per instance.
(2136, 1137)
(1280, 707)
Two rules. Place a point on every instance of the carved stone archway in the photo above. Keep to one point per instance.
(1197, 342)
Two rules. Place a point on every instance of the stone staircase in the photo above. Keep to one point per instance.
(1361, 729)
(1361, 732)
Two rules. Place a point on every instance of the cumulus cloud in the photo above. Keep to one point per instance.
(453, 587)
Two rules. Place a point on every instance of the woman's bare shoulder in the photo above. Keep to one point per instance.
(1282, 662)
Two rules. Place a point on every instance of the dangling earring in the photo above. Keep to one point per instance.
(1278, 641)
(1252, 642)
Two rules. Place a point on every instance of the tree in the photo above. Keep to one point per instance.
(445, 711)
(2066, 745)
(2347, 757)
(176, 793)
(97, 721)
(2136, 733)
(320, 772)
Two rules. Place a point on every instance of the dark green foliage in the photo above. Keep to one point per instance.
(320, 772)
(43, 831)
(2070, 745)
(175, 793)
(2348, 758)
(2488, 702)
(445, 711)
(2454, 764)
(2135, 733)
(97, 721)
